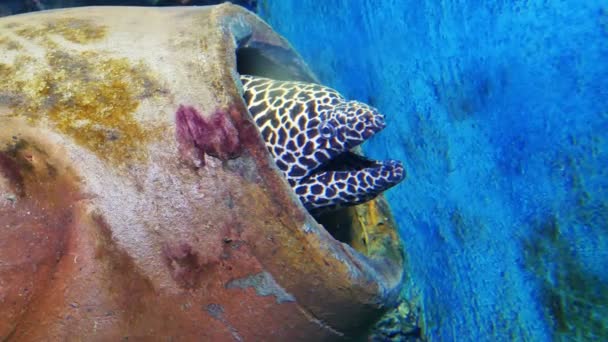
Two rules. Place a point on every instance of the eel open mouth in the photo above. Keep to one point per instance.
(353, 179)
(351, 161)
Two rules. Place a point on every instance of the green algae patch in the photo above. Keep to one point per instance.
(575, 296)
(90, 97)
(75, 30)
(575, 301)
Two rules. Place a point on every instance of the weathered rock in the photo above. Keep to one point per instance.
(137, 199)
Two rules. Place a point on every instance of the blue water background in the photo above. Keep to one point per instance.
(499, 110)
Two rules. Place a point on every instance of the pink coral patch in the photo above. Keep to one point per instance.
(215, 136)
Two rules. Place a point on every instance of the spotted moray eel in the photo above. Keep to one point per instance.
(310, 129)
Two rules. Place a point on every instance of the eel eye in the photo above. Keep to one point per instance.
(327, 130)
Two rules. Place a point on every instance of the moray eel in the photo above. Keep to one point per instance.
(310, 129)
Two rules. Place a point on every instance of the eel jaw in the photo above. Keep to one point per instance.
(348, 180)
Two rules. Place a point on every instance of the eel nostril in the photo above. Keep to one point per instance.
(379, 120)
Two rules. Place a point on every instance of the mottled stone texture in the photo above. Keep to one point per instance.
(138, 201)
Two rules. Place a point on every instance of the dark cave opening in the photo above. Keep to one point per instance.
(265, 60)
(251, 61)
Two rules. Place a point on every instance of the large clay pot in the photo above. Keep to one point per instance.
(137, 200)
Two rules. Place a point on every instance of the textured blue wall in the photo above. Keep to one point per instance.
(500, 111)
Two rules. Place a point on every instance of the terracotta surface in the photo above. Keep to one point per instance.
(137, 200)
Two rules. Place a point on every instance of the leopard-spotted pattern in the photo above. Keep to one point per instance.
(307, 126)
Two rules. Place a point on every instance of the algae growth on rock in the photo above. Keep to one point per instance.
(88, 95)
